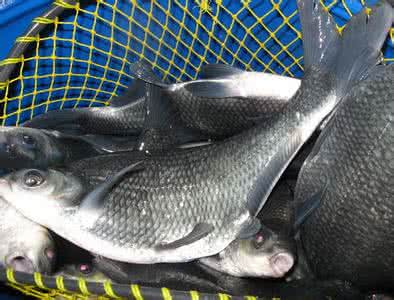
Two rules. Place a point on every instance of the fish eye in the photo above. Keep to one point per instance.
(85, 269)
(258, 240)
(33, 178)
(28, 140)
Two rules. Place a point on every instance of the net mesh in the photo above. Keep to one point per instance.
(82, 57)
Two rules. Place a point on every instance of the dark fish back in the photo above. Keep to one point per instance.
(351, 235)
(219, 118)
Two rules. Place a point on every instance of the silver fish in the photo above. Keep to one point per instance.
(184, 205)
(253, 97)
(25, 246)
(124, 116)
(226, 101)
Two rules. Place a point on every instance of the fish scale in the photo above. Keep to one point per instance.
(229, 181)
(123, 120)
(236, 114)
(350, 235)
(114, 120)
(224, 184)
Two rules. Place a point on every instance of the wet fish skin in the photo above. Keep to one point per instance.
(350, 235)
(218, 118)
(25, 246)
(193, 193)
(209, 117)
(236, 100)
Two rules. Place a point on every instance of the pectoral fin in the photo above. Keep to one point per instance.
(92, 204)
(200, 231)
(251, 230)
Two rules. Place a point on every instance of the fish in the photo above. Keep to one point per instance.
(75, 263)
(236, 100)
(86, 271)
(196, 277)
(183, 205)
(35, 148)
(123, 117)
(208, 118)
(271, 253)
(350, 174)
(25, 246)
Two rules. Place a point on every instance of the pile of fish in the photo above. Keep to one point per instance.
(205, 171)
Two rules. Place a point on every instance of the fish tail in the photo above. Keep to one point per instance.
(347, 56)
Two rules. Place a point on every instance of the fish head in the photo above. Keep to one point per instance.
(82, 270)
(266, 255)
(25, 246)
(42, 195)
(28, 148)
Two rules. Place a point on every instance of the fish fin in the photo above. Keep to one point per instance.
(278, 164)
(362, 41)
(134, 92)
(93, 202)
(143, 71)
(348, 56)
(308, 207)
(320, 36)
(251, 230)
(163, 127)
(211, 71)
(200, 231)
(109, 144)
(195, 144)
(100, 143)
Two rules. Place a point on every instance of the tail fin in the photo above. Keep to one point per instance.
(319, 34)
(350, 55)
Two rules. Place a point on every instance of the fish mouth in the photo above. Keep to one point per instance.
(281, 263)
(21, 262)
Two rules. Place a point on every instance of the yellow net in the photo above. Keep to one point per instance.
(81, 57)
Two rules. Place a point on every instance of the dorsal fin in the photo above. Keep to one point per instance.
(134, 92)
(163, 128)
